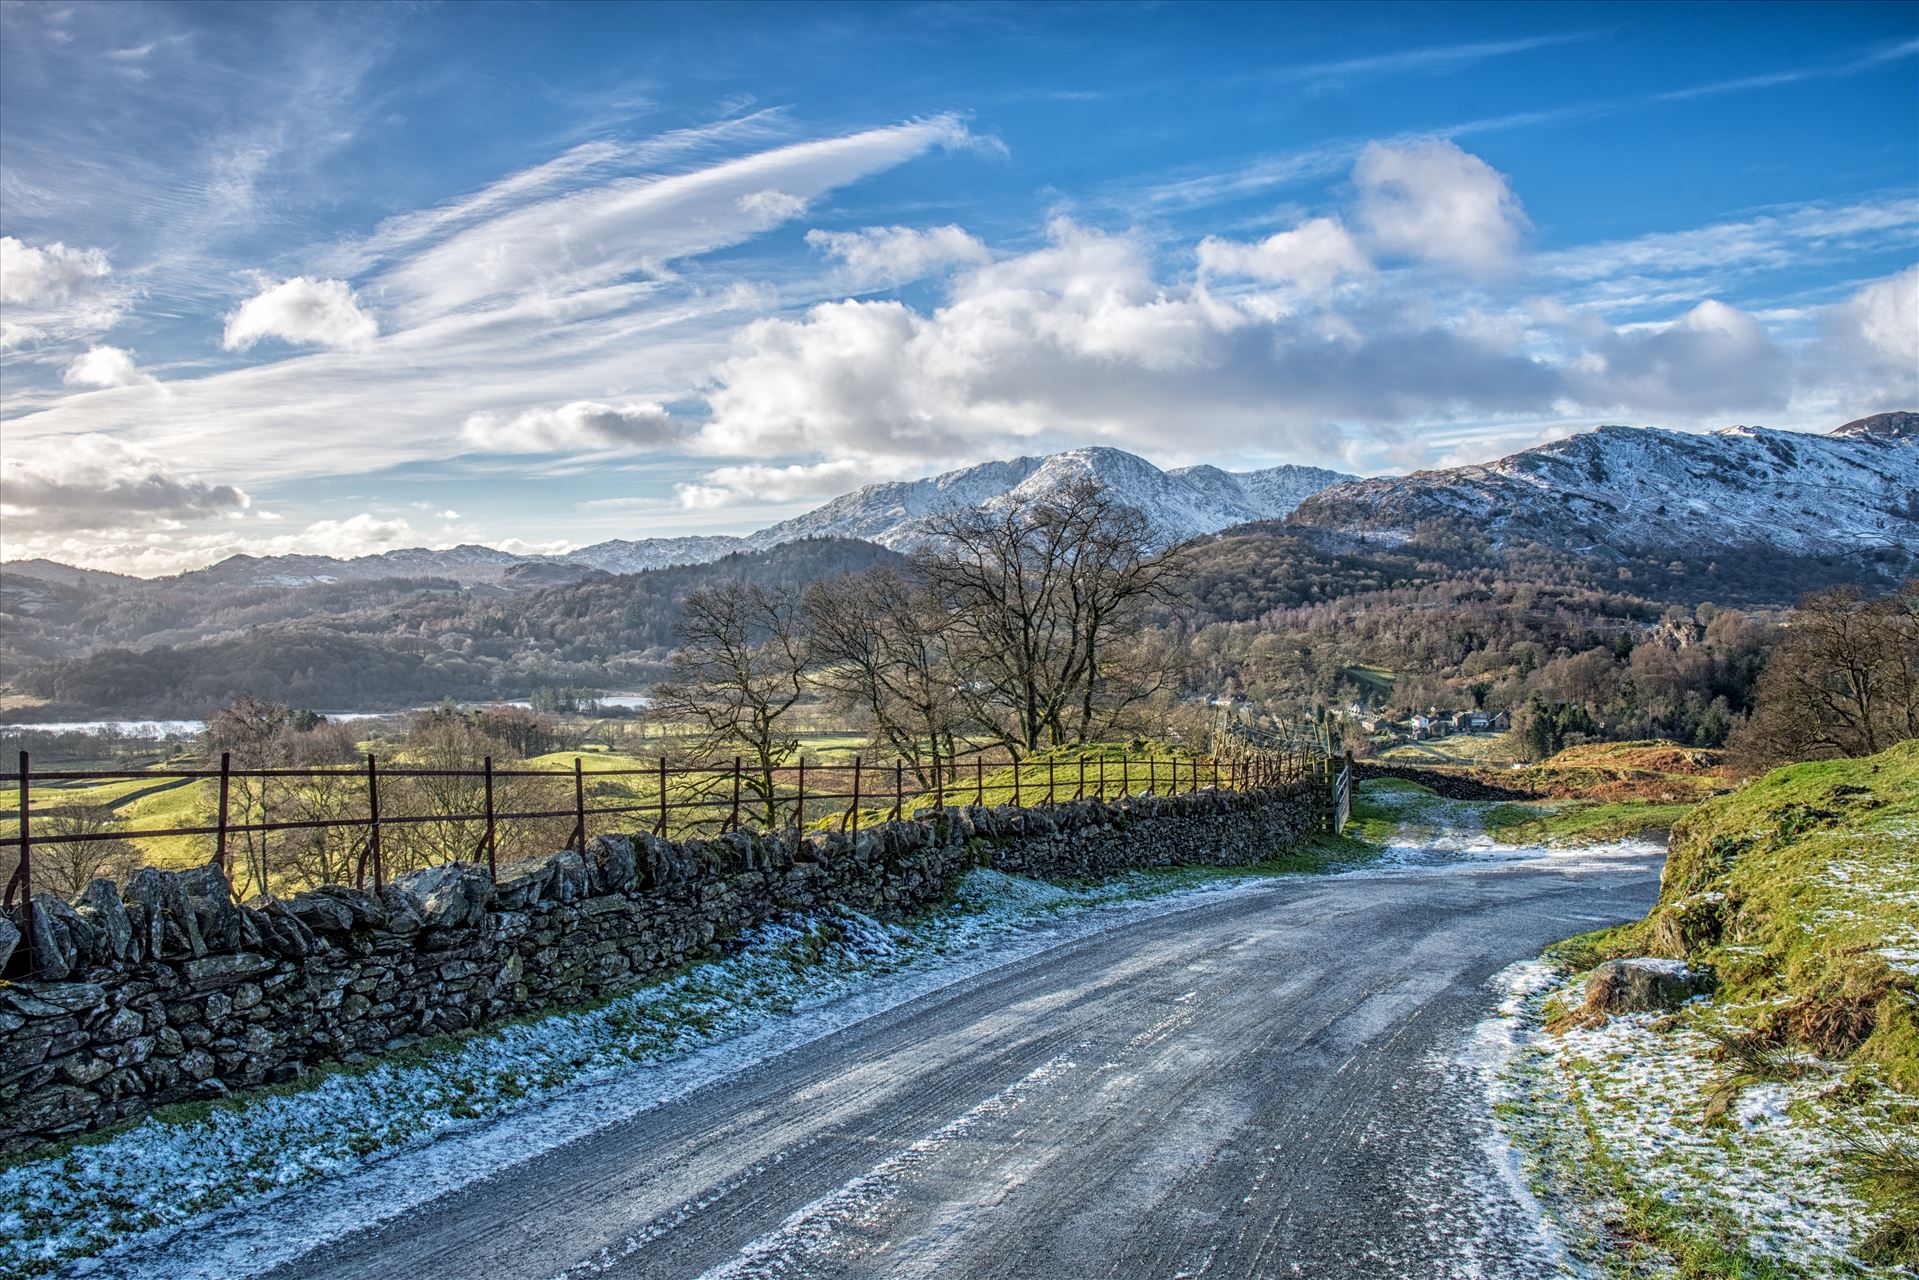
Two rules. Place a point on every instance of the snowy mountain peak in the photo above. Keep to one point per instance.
(1643, 489)
(1185, 503)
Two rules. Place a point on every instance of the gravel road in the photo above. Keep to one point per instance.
(1266, 1084)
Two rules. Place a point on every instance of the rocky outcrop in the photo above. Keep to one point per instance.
(170, 990)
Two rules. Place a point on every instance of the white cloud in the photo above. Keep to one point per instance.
(1714, 357)
(50, 274)
(1080, 342)
(94, 482)
(104, 367)
(1428, 199)
(523, 338)
(771, 207)
(756, 482)
(146, 552)
(898, 255)
(55, 293)
(1870, 346)
(1885, 317)
(581, 425)
(631, 227)
(1314, 256)
(303, 311)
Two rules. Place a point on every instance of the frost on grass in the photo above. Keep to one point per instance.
(1613, 1126)
(171, 1168)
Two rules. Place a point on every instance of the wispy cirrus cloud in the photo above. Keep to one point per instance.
(513, 313)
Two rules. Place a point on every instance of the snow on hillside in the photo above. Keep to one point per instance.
(1643, 488)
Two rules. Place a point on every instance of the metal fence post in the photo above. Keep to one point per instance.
(1049, 780)
(579, 807)
(1125, 786)
(736, 793)
(23, 874)
(220, 839)
(856, 799)
(939, 783)
(662, 797)
(1016, 770)
(979, 780)
(492, 858)
(373, 814)
(899, 789)
(799, 800)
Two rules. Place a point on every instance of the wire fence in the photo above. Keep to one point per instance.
(287, 828)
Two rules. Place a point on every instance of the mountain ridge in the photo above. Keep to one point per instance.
(1620, 487)
(1187, 502)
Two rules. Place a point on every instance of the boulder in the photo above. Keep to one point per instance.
(100, 906)
(9, 939)
(285, 933)
(570, 880)
(524, 882)
(1643, 984)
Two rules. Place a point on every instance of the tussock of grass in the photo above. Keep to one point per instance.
(1885, 1167)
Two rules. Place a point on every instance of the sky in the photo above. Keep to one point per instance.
(335, 279)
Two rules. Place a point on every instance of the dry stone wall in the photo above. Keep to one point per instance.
(168, 990)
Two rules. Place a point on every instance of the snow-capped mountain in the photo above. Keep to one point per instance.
(1644, 489)
(1623, 488)
(1184, 503)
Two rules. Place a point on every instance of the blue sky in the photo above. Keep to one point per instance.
(336, 279)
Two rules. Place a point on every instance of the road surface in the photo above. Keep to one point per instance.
(1268, 1084)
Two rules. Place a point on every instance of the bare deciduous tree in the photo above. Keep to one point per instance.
(1039, 597)
(1844, 681)
(65, 865)
(882, 654)
(739, 669)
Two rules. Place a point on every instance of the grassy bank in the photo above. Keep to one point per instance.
(1768, 1130)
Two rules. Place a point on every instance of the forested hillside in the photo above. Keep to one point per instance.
(371, 645)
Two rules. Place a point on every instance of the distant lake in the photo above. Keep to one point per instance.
(192, 728)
